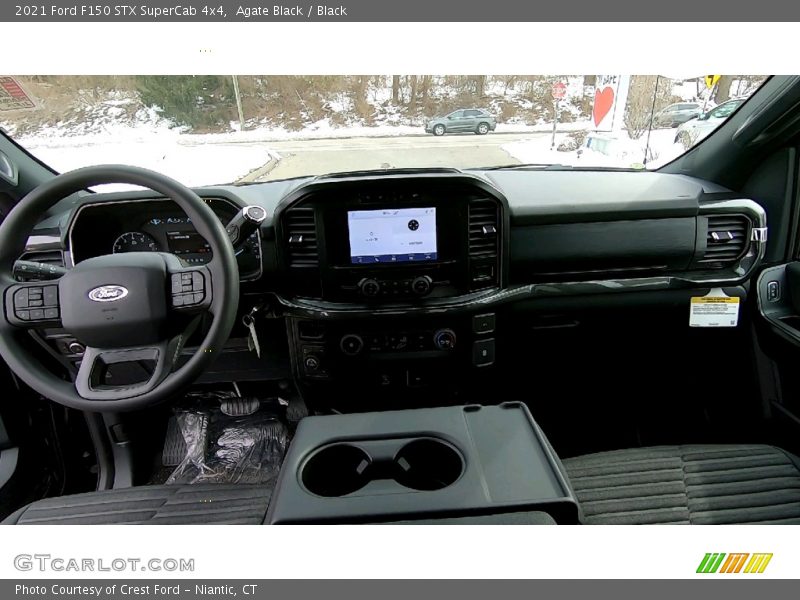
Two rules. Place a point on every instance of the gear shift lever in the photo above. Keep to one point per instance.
(244, 224)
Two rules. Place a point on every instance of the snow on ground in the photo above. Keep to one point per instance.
(145, 140)
(192, 165)
(622, 152)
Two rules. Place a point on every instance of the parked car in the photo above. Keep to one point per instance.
(462, 120)
(606, 149)
(695, 130)
(676, 114)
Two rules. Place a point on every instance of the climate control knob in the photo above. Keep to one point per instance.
(369, 287)
(351, 344)
(444, 339)
(421, 285)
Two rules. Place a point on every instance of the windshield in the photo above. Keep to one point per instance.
(205, 130)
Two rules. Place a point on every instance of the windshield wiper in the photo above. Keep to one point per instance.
(519, 166)
(246, 183)
(388, 171)
(551, 167)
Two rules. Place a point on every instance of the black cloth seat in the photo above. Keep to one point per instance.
(697, 484)
(153, 504)
(666, 484)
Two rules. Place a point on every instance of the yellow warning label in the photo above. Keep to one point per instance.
(714, 300)
(716, 309)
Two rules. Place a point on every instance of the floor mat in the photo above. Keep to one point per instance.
(220, 448)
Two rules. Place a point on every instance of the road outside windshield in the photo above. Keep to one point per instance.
(206, 130)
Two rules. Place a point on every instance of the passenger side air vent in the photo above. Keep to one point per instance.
(301, 237)
(484, 239)
(726, 239)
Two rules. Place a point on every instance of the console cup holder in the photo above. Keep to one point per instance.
(428, 464)
(337, 470)
(422, 464)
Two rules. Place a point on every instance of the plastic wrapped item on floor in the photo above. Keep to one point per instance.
(230, 449)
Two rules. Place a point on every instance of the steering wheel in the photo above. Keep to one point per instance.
(135, 307)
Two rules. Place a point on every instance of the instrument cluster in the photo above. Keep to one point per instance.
(154, 226)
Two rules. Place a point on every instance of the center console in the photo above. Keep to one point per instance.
(442, 463)
(387, 275)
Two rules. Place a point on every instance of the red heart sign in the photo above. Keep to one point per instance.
(603, 101)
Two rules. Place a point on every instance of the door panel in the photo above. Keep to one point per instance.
(778, 329)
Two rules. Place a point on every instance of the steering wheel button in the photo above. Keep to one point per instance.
(197, 281)
(37, 314)
(33, 303)
(50, 313)
(198, 298)
(21, 298)
(23, 315)
(177, 301)
(50, 295)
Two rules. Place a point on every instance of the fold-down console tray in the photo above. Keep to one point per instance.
(401, 465)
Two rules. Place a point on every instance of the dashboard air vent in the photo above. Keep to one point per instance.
(301, 237)
(484, 238)
(726, 239)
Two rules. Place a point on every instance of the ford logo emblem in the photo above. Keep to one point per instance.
(108, 293)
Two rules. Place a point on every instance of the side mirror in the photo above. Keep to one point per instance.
(450, 117)
(702, 117)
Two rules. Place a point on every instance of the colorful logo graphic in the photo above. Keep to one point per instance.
(741, 562)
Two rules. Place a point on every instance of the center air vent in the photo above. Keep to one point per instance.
(484, 240)
(301, 237)
(726, 239)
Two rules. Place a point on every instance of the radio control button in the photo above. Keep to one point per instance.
(351, 344)
(369, 287)
(421, 285)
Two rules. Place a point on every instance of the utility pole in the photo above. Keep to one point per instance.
(238, 101)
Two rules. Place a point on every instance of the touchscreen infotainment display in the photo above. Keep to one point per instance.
(392, 235)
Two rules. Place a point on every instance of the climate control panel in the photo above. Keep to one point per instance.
(393, 353)
(356, 344)
(371, 287)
